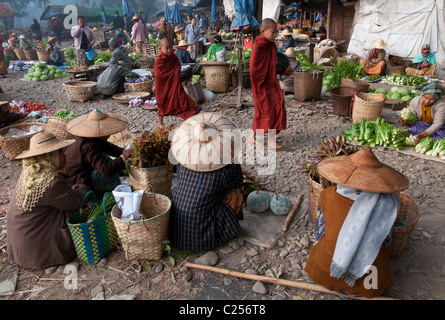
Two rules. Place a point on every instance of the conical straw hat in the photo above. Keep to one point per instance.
(97, 124)
(363, 171)
(290, 52)
(44, 142)
(206, 142)
(379, 44)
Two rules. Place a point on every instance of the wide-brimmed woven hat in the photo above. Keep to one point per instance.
(290, 52)
(379, 44)
(51, 39)
(183, 43)
(43, 142)
(363, 171)
(206, 142)
(97, 124)
(177, 29)
(135, 18)
(22, 37)
(286, 33)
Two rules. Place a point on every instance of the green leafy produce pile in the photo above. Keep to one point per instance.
(40, 71)
(102, 57)
(65, 114)
(342, 69)
(232, 57)
(401, 79)
(397, 93)
(306, 65)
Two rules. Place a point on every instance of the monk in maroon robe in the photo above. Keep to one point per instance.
(171, 97)
(270, 112)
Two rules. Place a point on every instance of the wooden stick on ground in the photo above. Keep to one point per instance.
(277, 281)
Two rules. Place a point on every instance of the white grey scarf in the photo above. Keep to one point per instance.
(368, 223)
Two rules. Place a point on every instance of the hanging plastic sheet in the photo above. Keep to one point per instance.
(244, 11)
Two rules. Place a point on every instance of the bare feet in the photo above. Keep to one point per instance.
(252, 139)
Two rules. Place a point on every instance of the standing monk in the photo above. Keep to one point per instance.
(170, 95)
(270, 112)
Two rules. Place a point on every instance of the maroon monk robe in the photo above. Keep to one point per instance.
(171, 97)
(270, 112)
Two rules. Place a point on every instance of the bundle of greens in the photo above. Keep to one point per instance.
(306, 65)
(102, 57)
(407, 116)
(379, 132)
(135, 58)
(402, 79)
(343, 68)
(424, 145)
(232, 57)
(65, 114)
(98, 211)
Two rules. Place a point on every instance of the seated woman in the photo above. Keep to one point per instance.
(184, 56)
(202, 214)
(287, 81)
(217, 52)
(424, 63)
(354, 225)
(38, 234)
(112, 80)
(89, 157)
(429, 109)
(56, 57)
(289, 41)
(375, 62)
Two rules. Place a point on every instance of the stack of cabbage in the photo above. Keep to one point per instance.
(42, 72)
(398, 93)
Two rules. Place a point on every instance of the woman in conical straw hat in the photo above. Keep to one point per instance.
(89, 158)
(201, 217)
(375, 61)
(355, 218)
(38, 235)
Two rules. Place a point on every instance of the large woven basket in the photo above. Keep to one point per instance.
(10, 52)
(356, 84)
(409, 214)
(341, 100)
(19, 53)
(159, 178)
(368, 106)
(80, 91)
(398, 69)
(57, 126)
(43, 55)
(14, 146)
(144, 239)
(217, 75)
(245, 79)
(315, 189)
(308, 85)
(139, 87)
(30, 54)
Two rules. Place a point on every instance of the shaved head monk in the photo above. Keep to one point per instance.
(270, 112)
(171, 97)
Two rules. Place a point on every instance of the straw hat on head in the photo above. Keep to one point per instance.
(135, 18)
(286, 33)
(22, 37)
(51, 39)
(183, 43)
(44, 142)
(363, 171)
(206, 142)
(379, 44)
(290, 52)
(178, 29)
(97, 124)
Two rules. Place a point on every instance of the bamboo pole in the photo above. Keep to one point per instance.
(277, 281)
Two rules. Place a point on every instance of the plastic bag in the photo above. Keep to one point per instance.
(209, 95)
(128, 202)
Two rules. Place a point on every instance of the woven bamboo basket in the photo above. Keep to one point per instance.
(43, 55)
(139, 87)
(80, 91)
(341, 100)
(368, 106)
(57, 126)
(14, 146)
(10, 52)
(315, 189)
(217, 75)
(30, 54)
(398, 69)
(144, 239)
(409, 213)
(159, 178)
(308, 85)
(19, 53)
(356, 84)
(245, 78)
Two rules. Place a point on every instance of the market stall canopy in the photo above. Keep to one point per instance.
(5, 10)
(175, 15)
(310, 5)
(244, 11)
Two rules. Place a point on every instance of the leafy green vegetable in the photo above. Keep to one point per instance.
(306, 65)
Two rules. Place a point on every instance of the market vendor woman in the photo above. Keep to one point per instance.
(429, 109)
(424, 63)
(375, 61)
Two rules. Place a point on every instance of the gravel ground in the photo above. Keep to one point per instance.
(418, 274)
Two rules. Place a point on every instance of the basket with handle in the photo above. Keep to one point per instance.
(194, 90)
(145, 86)
(308, 85)
(368, 106)
(15, 145)
(30, 54)
(93, 239)
(144, 238)
(341, 100)
(80, 91)
(159, 178)
(57, 126)
(356, 84)
(19, 53)
(43, 55)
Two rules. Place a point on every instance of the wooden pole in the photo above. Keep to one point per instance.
(276, 281)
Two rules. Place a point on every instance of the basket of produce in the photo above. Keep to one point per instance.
(401, 79)
(125, 98)
(142, 84)
(406, 221)
(144, 238)
(19, 53)
(341, 100)
(43, 55)
(356, 84)
(10, 53)
(30, 54)
(368, 106)
(56, 124)
(308, 85)
(80, 91)
(216, 75)
(92, 229)
(350, 56)
(14, 139)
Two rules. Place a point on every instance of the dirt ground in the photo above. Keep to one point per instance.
(418, 274)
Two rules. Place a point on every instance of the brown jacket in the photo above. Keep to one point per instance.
(335, 209)
(40, 238)
(87, 155)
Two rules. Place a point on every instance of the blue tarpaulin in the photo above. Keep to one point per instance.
(104, 16)
(244, 19)
(126, 8)
(213, 11)
(167, 12)
(176, 16)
